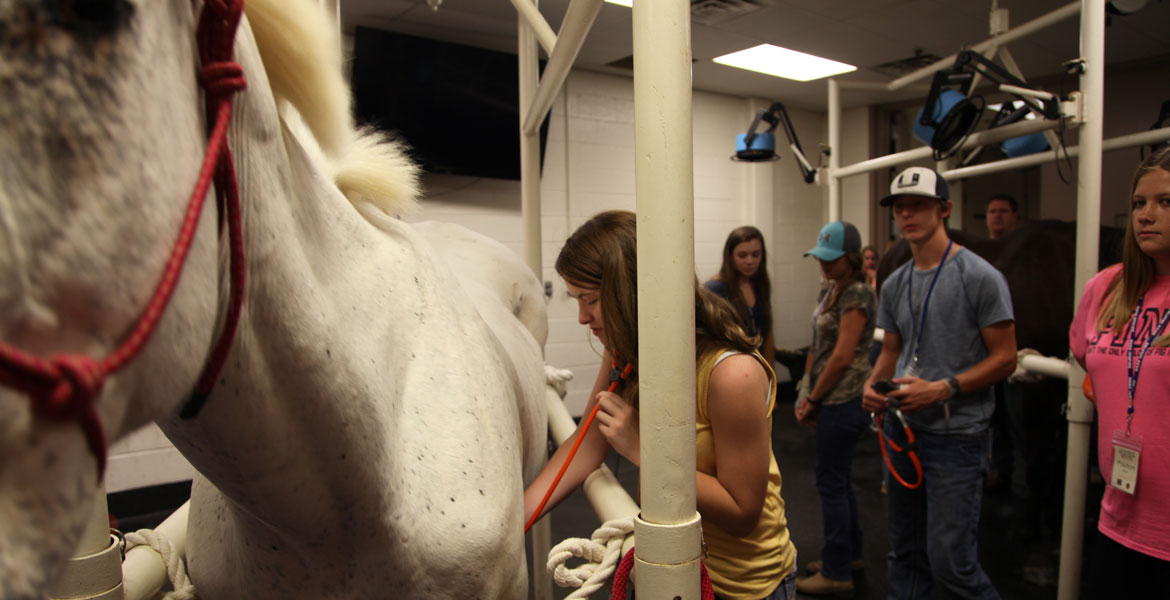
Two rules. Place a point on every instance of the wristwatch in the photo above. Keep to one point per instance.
(953, 383)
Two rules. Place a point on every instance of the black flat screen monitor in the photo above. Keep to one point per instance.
(456, 106)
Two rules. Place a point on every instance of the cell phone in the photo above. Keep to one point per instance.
(884, 386)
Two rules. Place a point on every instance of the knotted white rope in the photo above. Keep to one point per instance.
(557, 378)
(176, 570)
(602, 552)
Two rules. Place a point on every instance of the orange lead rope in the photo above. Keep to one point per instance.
(911, 449)
(615, 379)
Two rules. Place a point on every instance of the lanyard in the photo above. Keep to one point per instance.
(1135, 371)
(817, 315)
(925, 301)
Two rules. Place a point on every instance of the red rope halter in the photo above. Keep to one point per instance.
(622, 576)
(66, 386)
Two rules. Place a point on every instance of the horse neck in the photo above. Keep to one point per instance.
(304, 245)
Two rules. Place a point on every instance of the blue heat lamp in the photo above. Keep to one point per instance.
(951, 118)
(1023, 145)
(760, 147)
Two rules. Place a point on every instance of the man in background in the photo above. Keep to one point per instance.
(1003, 213)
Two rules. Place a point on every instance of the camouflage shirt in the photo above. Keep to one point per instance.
(827, 323)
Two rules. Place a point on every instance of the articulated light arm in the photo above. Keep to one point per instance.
(753, 148)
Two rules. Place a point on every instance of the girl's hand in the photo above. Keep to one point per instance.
(617, 420)
(806, 413)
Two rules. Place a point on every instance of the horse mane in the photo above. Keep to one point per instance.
(301, 52)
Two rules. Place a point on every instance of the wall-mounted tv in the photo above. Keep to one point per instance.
(457, 106)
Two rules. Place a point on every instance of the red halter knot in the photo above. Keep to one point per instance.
(78, 383)
(222, 79)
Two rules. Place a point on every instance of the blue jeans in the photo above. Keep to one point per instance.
(838, 428)
(934, 528)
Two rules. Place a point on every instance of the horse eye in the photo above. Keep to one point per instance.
(94, 17)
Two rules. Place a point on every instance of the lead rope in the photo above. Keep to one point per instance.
(601, 552)
(181, 585)
(65, 387)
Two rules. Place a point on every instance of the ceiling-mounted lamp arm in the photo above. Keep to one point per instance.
(777, 114)
(765, 114)
(1047, 105)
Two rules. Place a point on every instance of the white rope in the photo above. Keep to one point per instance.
(602, 553)
(558, 379)
(183, 589)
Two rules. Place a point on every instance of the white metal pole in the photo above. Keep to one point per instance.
(530, 15)
(143, 571)
(1011, 164)
(975, 139)
(95, 570)
(529, 146)
(1028, 28)
(667, 531)
(834, 150)
(540, 534)
(578, 19)
(1080, 411)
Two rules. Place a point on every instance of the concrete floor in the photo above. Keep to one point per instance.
(1006, 540)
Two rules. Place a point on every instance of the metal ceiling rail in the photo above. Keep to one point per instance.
(1118, 143)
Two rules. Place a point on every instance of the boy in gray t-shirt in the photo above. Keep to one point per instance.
(949, 336)
(969, 296)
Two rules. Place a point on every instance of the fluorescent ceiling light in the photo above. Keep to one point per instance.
(627, 3)
(782, 62)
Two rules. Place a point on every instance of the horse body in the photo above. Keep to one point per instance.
(372, 430)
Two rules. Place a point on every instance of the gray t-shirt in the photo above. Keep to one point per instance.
(858, 296)
(970, 295)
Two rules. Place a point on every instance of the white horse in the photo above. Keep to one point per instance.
(374, 424)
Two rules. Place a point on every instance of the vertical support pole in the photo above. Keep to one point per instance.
(528, 65)
(1080, 411)
(94, 572)
(667, 532)
(834, 150)
(529, 147)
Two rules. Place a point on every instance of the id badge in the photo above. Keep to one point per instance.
(1127, 450)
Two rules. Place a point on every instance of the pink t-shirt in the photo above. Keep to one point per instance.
(1140, 521)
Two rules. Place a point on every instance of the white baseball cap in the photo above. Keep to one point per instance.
(918, 181)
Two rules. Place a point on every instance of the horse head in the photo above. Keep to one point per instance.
(104, 136)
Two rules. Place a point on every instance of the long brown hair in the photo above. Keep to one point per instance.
(603, 254)
(760, 281)
(856, 275)
(1138, 269)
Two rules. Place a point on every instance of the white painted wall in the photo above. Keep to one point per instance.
(589, 167)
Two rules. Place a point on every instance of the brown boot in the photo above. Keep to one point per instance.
(819, 585)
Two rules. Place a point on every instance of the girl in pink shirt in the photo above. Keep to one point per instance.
(1120, 336)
